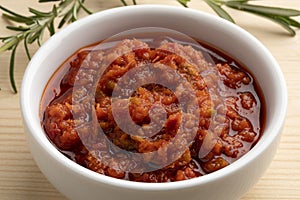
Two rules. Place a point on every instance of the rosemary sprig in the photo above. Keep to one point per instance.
(281, 16)
(32, 28)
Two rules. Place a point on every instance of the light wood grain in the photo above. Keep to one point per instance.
(21, 179)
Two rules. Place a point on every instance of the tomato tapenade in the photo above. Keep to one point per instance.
(77, 105)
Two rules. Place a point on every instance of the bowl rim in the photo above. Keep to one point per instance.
(36, 131)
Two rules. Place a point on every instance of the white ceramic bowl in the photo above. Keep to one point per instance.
(229, 183)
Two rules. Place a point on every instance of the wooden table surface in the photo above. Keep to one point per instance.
(21, 179)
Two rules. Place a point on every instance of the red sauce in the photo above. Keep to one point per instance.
(77, 104)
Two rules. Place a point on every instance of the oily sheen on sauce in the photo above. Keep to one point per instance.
(87, 120)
